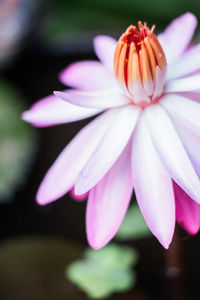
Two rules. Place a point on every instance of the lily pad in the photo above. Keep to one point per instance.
(105, 271)
(17, 141)
(113, 256)
(133, 225)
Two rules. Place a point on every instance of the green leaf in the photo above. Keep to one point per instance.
(104, 271)
(133, 225)
(17, 141)
(113, 256)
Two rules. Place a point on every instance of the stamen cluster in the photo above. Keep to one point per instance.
(139, 62)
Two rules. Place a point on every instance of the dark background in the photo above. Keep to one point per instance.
(37, 242)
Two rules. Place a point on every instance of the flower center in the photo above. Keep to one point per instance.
(140, 64)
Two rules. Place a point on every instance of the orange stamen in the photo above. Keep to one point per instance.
(137, 55)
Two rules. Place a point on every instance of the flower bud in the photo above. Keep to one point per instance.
(140, 64)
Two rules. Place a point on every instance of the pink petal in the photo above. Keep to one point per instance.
(183, 109)
(52, 111)
(171, 151)
(190, 83)
(177, 36)
(87, 75)
(153, 186)
(191, 143)
(186, 64)
(187, 211)
(195, 96)
(97, 100)
(108, 202)
(63, 173)
(111, 146)
(104, 47)
(78, 198)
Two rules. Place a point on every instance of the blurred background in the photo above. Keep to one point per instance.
(39, 38)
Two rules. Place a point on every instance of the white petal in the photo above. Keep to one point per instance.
(105, 48)
(186, 84)
(87, 75)
(171, 151)
(53, 111)
(109, 149)
(108, 202)
(177, 36)
(61, 176)
(184, 109)
(153, 186)
(195, 96)
(191, 143)
(98, 100)
(186, 64)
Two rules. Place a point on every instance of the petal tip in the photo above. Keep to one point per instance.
(165, 242)
(98, 38)
(188, 16)
(40, 201)
(192, 229)
(165, 245)
(191, 15)
(79, 198)
(25, 116)
(57, 93)
(95, 243)
(94, 246)
(31, 118)
(42, 198)
(63, 76)
(80, 189)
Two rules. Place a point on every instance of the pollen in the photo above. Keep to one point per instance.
(140, 64)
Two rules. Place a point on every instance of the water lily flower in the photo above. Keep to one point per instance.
(146, 136)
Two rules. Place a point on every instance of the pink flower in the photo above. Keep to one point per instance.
(147, 135)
